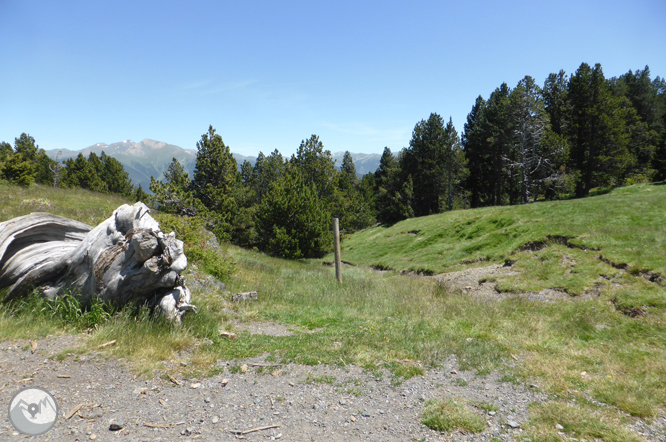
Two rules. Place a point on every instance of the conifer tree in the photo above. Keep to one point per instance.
(291, 220)
(267, 170)
(216, 176)
(597, 133)
(81, 173)
(478, 155)
(348, 177)
(556, 102)
(172, 194)
(394, 195)
(112, 172)
(317, 166)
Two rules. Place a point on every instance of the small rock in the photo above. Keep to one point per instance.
(183, 363)
(513, 424)
(197, 385)
(244, 368)
(353, 419)
(93, 436)
(215, 419)
(207, 400)
(139, 391)
(228, 335)
(342, 402)
(559, 427)
(365, 414)
(454, 372)
(115, 427)
(492, 413)
(278, 436)
(224, 382)
(247, 296)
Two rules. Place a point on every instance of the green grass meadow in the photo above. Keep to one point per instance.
(609, 348)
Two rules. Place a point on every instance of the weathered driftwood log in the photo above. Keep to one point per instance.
(126, 258)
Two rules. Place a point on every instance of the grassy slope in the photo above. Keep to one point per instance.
(626, 225)
(81, 205)
(388, 320)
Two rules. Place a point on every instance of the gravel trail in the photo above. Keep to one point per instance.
(281, 402)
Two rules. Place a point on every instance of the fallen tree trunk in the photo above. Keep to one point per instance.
(126, 258)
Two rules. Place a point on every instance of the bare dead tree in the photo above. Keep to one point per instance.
(56, 168)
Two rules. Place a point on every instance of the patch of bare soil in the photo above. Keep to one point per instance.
(271, 328)
(480, 282)
(477, 282)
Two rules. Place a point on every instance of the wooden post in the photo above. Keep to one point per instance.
(338, 263)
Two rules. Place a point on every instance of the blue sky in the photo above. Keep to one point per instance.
(268, 74)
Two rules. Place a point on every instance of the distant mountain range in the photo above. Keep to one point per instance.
(151, 158)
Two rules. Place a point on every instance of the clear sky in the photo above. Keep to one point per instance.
(266, 75)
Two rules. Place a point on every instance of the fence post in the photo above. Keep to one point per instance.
(338, 262)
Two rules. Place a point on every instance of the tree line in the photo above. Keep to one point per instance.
(576, 133)
(25, 163)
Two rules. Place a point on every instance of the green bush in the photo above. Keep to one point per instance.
(196, 238)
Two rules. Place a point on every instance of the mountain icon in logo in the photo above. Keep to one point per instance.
(33, 411)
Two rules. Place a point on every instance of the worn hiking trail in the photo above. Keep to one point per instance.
(287, 402)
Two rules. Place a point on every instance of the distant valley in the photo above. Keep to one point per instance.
(151, 158)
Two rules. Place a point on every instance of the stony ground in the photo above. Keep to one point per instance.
(279, 402)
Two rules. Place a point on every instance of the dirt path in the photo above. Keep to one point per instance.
(299, 403)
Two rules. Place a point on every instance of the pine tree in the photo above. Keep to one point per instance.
(291, 220)
(217, 182)
(425, 160)
(216, 176)
(44, 167)
(80, 173)
(500, 140)
(172, 194)
(387, 162)
(19, 171)
(455, 165)
(352, 206)
(25, 145)
(395, 196)
(645, 122)
(556, 102)
(348, 177)
(597, 133)
(477, 152)
(112, 172)
(140, 195)
(267, 170)
(317, 166)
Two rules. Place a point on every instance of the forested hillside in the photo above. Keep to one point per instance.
(578, 134)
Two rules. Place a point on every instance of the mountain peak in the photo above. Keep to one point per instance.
(152, 143)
